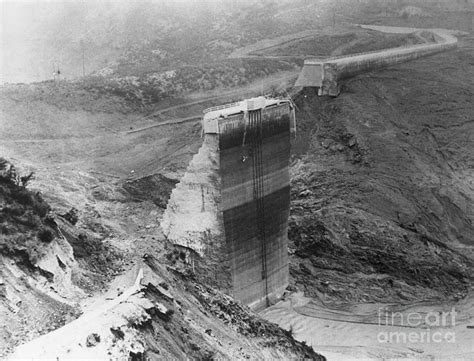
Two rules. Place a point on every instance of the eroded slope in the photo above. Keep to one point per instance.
(383, 197)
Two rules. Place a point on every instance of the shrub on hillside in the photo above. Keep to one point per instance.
(24, 219)
(45, 234)
(8, 173)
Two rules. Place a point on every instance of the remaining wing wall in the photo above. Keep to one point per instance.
(326, 74)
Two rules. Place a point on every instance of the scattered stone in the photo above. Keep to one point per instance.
(416, 349)
(403, 295)
(136, 356)
(92, 340)
(352, 141)
(326, 143)
(305, 193)
(72, 216)
(163, 312)
(117, 332)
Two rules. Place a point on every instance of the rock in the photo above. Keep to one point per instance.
(163, 312)
(352, 141)
(136, 356)
(305, 193)
(72, 216)
(403, 295)
(326, 143)
(92, 340)
(209, 332)
(164, 285)
(117, 332)
(418, 350)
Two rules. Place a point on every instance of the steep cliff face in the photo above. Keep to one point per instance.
(192, 218)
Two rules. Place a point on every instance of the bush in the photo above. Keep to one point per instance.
(26, 178)
(45, 235)
(23, 196)
(9, 174)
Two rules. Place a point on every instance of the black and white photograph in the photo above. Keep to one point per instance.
(237, 180)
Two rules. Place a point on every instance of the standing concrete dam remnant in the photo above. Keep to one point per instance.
(325, 74)
(230, 210)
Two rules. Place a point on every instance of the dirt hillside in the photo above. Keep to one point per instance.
(382, 187)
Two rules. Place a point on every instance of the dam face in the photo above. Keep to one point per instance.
(231, 207)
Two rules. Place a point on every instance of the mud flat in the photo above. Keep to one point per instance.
(340, 335)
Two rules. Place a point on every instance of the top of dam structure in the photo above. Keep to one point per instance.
(213, 116)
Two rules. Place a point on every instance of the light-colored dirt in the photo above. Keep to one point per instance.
(339, 338)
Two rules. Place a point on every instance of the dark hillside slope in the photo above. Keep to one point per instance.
(383, 196)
